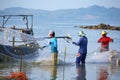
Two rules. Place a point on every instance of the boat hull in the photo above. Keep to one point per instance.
(24, 51)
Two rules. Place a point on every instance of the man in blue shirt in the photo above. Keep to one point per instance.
(82, 52)
(53, 44)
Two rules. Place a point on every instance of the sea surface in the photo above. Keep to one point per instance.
(67, 70)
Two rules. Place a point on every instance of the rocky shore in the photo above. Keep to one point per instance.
(101, 26)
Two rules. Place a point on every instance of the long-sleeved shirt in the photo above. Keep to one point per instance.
(53, 44)
(104, 40)
(82, 43)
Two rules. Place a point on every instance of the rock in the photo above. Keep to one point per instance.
(102, 26)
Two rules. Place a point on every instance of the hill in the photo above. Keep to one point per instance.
(91, 15)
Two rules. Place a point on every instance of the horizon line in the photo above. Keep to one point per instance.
(61, 8)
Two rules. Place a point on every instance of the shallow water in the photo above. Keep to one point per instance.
(69, 71)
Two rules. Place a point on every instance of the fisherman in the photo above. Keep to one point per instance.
(104, 40)
(54, 50)
(82, 52)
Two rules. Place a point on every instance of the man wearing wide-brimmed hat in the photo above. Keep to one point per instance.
(104, 40)
(82, 52)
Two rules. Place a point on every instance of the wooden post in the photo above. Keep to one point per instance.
(20, 60)
(64, 62)
(13, 41)
(64, 54)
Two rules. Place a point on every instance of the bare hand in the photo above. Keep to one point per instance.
(78, 55)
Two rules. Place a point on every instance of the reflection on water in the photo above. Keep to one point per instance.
(71, 72)
(53, 73)
(81, 72)
(103, 74)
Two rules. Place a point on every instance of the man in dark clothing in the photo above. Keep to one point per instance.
(82, 52)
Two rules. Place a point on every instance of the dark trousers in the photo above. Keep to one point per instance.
(81, 58)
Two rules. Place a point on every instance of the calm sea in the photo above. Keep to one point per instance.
(69, 71)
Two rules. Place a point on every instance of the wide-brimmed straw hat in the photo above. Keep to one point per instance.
(103, 32)
(81, 33)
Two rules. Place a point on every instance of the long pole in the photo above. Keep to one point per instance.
(63, 37)
(68, 37)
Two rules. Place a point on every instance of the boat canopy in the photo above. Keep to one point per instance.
(17, 22)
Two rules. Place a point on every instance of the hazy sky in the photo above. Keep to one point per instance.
(57, 4)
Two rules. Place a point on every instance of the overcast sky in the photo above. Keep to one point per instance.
(57, 4)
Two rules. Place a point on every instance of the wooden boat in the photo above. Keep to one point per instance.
(18, 47)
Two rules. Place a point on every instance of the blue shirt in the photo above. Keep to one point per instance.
(82, 43)
(53, 44)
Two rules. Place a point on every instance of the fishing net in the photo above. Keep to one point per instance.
(24, 44)
(29, 52)
(10, 33)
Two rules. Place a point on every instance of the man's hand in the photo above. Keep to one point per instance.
(43, 47)
(73, 42)
(78, 55)
(50, 43)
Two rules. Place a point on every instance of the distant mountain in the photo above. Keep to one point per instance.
(91, 15)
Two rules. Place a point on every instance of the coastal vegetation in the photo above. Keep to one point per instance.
(101, 26)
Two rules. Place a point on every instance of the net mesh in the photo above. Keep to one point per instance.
(25, 44)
